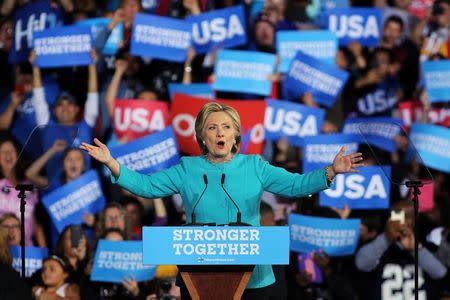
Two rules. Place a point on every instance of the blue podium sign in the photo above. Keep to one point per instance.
(216, 245)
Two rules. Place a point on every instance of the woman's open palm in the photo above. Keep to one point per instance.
(347, 163)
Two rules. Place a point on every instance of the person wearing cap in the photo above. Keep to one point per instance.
(56, 281)
(66, 108)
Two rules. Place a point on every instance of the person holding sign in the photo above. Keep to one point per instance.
(66, 108)
(73, 166)
(232, 182)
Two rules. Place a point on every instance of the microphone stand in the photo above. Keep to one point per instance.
(22, 188)
(415, 185)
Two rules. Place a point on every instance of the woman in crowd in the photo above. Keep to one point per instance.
(77, 256)
(56, 281)
(10, 224)
(73, 166)
(11, 174)
(113, 216)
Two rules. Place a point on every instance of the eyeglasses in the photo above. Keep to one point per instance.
(114, 218)
(7, 227)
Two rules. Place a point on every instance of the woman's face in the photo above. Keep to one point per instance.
(8, 156)
(73, 164)
(53, 274)
(114, 218)
(219, 134)
(11, 226)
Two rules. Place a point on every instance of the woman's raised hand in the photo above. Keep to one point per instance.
(347, 163)
(99, 151)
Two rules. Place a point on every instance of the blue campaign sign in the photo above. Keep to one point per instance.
(33, 259)
(149, 154)
(321, 44)
(356, 24)
(377, 131)
(437, 80)
(222, 28)
(223, 245)
(149, 6)
(320, 150)
(244, 71)
(63, 46)
(97, 25)
(337, 237)
(202, 90)
(29, 19)
(380, 100)
(118, 260)
(160, 37)
(368, 189)
(67, 204)
(319, 11)
(256, 7)
(432, 142)
(308, 74)
(284, 119)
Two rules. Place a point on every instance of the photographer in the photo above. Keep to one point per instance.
(390, 261)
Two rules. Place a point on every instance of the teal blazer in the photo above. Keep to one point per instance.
(247, 176)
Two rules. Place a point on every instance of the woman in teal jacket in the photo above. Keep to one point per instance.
(245, 177)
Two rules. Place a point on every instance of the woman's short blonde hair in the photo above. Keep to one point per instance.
(208, 109)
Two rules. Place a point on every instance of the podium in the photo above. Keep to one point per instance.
(216, 282)
(216, 262)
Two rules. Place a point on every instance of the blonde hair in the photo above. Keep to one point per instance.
(205, 112)
(8, 216)
(5, 255)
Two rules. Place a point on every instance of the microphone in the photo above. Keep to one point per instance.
(24, 187)
(238, 216)
(205, 180)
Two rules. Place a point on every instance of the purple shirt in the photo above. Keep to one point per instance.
(9, 202)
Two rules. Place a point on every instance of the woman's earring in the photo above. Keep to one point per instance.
(203, 142)
(234, 142)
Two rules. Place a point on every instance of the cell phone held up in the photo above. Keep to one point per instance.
(76, 232)
(398, 216)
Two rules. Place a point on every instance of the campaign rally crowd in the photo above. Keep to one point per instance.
(306, 78)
